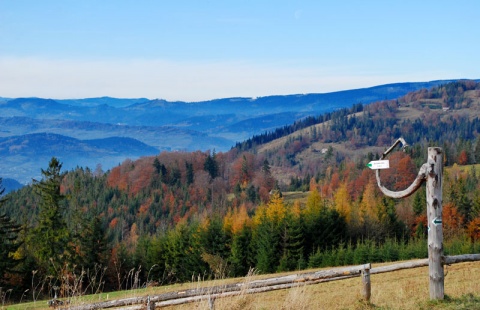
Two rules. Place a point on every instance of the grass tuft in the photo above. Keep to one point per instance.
(467, 302)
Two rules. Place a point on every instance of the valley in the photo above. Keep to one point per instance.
(161, 125)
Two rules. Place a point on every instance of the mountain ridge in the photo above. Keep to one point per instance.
(216, 124)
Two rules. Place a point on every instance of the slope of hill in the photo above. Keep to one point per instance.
(216, 124)
(109, 101)
(183, 213)
(29, 153)
(160, 137)
(452, 120)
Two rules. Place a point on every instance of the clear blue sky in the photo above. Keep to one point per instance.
(196, 50)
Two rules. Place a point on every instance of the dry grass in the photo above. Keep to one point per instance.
(405, 289)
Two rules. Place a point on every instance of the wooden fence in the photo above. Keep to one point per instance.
(265, 285)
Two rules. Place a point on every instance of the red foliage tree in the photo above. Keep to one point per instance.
(463, 158)
(401, 173)
(452, 221)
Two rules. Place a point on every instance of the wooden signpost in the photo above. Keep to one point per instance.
(379, 164)
(431, 173)
(434, 217)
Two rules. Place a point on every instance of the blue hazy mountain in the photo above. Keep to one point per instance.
(105, 130)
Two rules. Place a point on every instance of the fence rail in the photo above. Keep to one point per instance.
(265, 285)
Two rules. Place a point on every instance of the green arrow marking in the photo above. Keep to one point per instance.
(437, 221)
(379, 164)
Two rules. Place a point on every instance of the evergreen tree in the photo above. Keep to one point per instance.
(210, 165)
(190, 173)
(9, 243)
(420, 202)
(51, 235)
(94, 245)
(214, 239)
(252, 194)
(477, 151)
(182, 253)
(459, 197)
(292, 244)
(241, 256)
(267, 243)
(266, 167)
(155, 259)
(157, 165)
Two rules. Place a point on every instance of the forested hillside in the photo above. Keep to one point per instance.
(168, 217)
(27, 124)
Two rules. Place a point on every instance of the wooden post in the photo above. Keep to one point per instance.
(434, 217)
(431, 172)
(150, 304)
(366, 286)
(211, 302)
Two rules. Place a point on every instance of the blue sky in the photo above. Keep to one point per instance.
(198, 50)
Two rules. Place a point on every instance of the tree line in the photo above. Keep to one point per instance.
(167, 218)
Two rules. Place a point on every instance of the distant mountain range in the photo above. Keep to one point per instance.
(106, 131)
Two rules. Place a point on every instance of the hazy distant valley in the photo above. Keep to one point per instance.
(105, 131)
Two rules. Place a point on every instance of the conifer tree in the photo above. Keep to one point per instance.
(8, 240)
(419, 202)
(182, 253)
(210, 165)
(477, 151)
(190, 173)
(241, 256)
(267, 241)
(292, 244)
(94, 244)
(214, 239)
(51, 235)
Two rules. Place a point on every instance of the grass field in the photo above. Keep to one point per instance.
(405, 289)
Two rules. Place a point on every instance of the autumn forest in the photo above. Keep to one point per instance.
(298, 197)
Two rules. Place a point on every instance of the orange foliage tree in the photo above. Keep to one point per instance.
(370, 205)
(463, 158)
(343, 202)
(473, 229)
(452, 221)
(401, 173)
(276, 210)
(236, 219)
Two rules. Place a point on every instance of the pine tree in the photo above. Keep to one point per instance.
(210, 165)
(420, 202)
(182, 253)
(241, 256)
(94, 244)
(292, 244)
(214, 239)
(51, 235)
(190, 173)
(477, 151)
(9, 243)
(267, 243)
